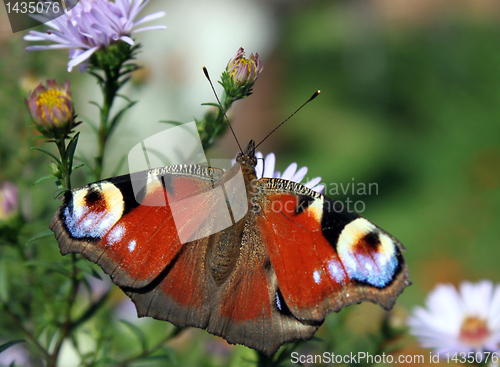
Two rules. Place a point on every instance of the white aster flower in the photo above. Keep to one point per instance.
(91, 25)
(265, 168)
(455, 321)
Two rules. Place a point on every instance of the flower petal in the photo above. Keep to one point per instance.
(150, 17)
(299, 175)
(128, 40)
(259, 168)
(82, 57)
(289, 172)
(150, 28)
(269, 165)
(313, 182)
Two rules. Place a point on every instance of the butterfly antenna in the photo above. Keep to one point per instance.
(220, 106)
(289, 117)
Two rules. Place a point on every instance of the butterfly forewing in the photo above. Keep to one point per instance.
(124, 230)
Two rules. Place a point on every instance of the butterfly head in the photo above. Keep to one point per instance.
(247, 159)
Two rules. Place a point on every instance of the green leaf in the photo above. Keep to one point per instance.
(99, 78)
(100, 109)
(170, 353)
(125, 98)
(211, 104)
(177, 123)
(40, 235)
(49, 266)
(138, 333)
(71, 149)
(125, 80)
(85, 267)
(85, 161)
(4, 283)
(44, 178)
(49, 153)
(159, 359)
(9, 344)
(76, 167)
(60, 192)
(89, 121)
(119, 115)
(119, 166)
(93, 308)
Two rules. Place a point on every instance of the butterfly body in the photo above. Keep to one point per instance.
(259, 262)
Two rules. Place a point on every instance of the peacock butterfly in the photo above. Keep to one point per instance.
(288, 257)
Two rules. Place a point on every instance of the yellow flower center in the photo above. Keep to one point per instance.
(52, 99)
(242, 70)
(243, 63)
(474, 331)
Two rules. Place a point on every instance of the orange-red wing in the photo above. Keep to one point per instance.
(134, 241)
(180, 294)
(326, 258)
(307, 267)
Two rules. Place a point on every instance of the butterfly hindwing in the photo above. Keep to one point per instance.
(324, 257)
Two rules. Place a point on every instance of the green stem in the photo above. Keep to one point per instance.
(66, 170)
(28, 333)
(68, 324)
(219, 124)
(109, 90)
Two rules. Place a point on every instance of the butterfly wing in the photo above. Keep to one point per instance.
(127, 224)
(267, 278)
(324, 256)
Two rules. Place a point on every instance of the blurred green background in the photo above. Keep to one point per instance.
(410, 101)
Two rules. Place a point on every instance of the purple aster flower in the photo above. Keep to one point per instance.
(92, 25)
(456, 321)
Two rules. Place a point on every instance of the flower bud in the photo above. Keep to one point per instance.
(51, 109)
(240, 74)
